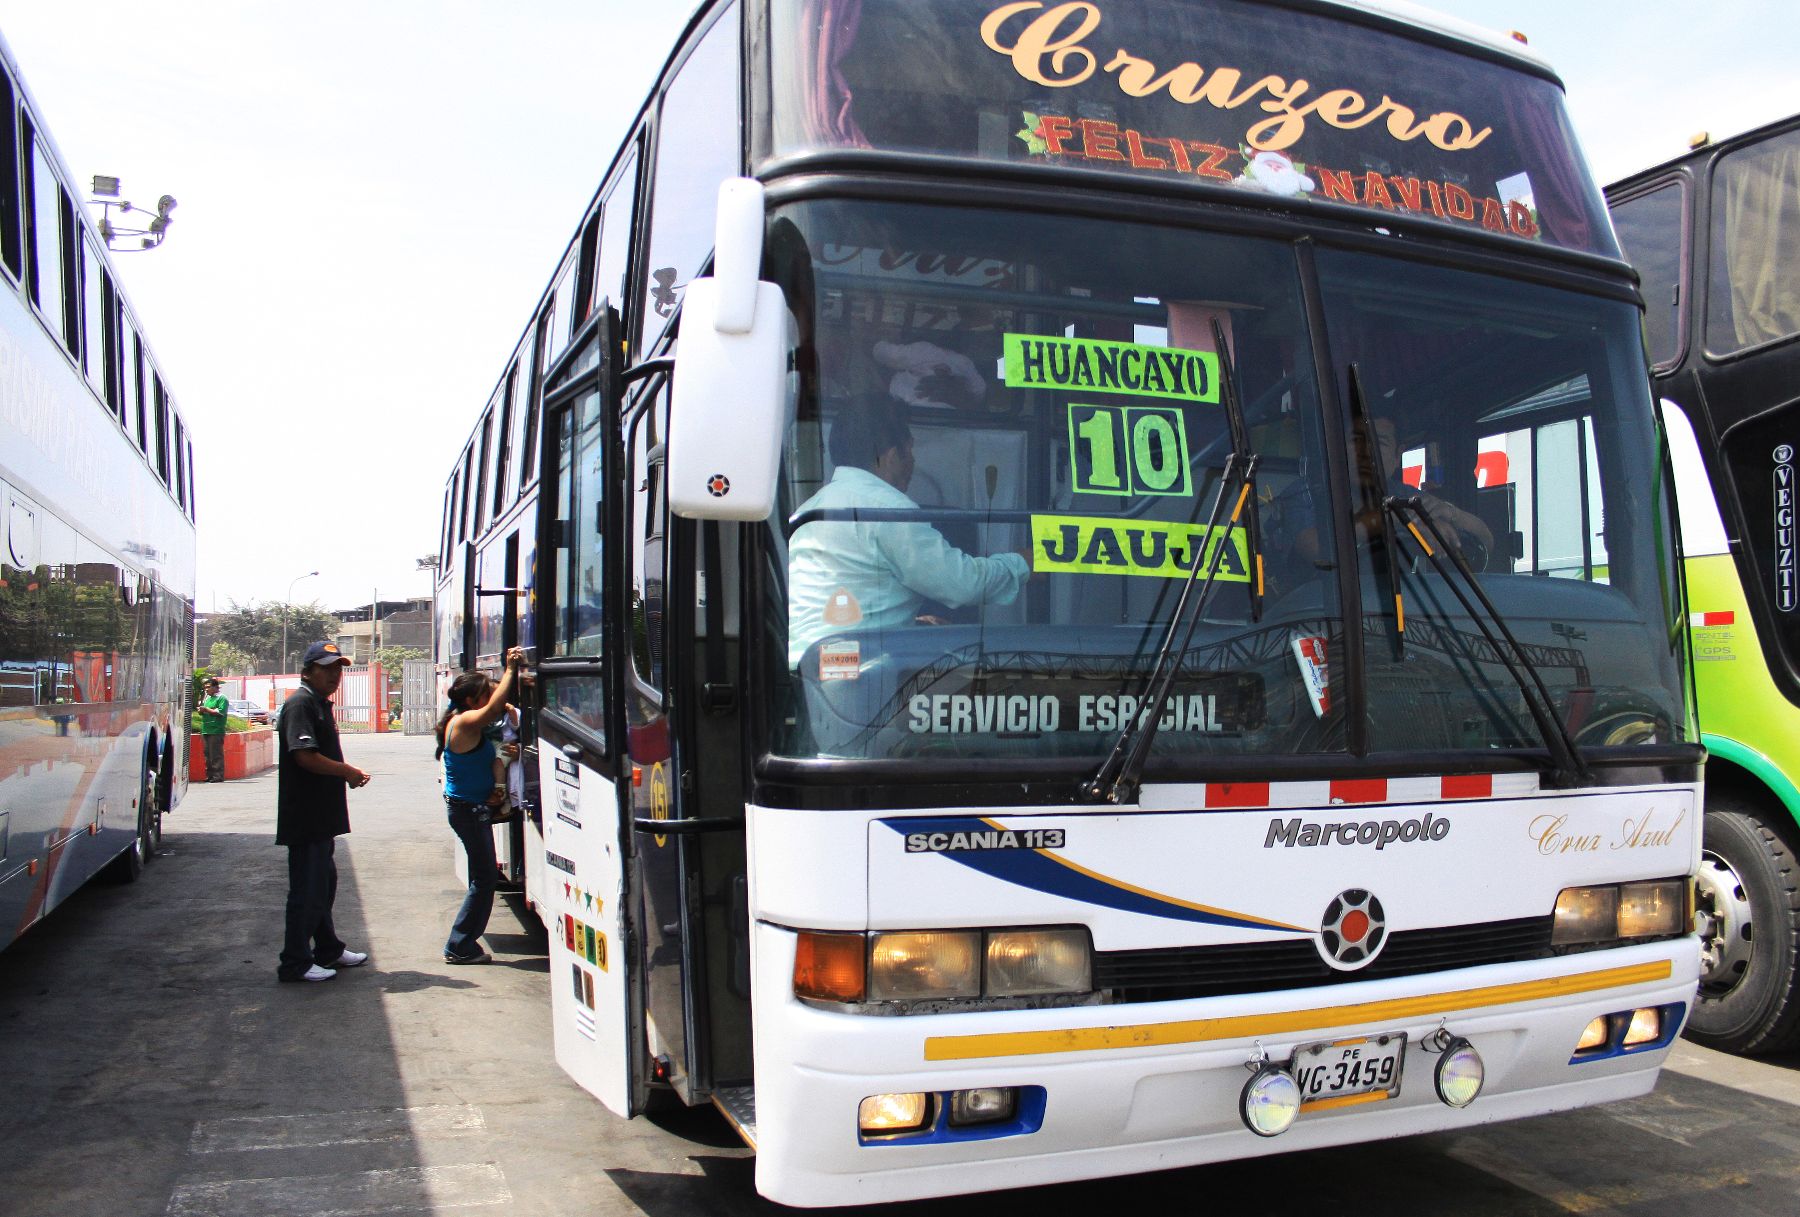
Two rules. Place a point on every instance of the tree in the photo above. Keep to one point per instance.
(227, 660)
(393, 660)
(256, 630)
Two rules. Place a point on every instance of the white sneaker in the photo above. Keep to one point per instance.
(351, 959)
(317, 973)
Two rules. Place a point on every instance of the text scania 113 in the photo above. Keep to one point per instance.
(1101, 592)
(97, 562)
(1716, 236)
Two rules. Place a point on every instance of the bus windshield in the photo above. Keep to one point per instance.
(1010, 433)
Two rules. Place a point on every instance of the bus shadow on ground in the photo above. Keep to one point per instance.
(150, 1054)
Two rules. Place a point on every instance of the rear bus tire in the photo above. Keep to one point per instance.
(1749, 919)
(130, 864)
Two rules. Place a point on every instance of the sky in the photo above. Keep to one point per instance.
(373, 194)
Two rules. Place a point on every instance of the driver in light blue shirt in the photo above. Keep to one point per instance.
(848, 574)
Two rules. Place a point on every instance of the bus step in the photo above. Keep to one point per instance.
(738, 1105)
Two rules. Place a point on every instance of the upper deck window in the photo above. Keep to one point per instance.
(1754, 295)
(1297, 105)
(697, 147)
(1650, 229)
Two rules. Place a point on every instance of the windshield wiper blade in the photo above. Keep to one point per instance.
(1240, 443)
(1570, 769)
(1373, 487)
(1118, 777)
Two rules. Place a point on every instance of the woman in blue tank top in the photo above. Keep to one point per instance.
(476, 703)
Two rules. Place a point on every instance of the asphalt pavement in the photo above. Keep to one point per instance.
(152, 1065)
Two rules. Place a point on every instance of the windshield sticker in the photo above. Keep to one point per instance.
(1045, 714)
(1315, 674)
(840, 661)
(841, 609)
(1110, 545)
(1043, 361)
(1510, 209)
(1048, 49)
(1129, 451)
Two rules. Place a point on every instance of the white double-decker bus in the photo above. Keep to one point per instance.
(1102, 593)
(97, 556)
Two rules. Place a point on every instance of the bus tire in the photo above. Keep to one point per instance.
(1749, 922)
(130, 864)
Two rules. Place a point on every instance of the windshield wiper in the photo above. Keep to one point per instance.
(1374, 489)
(1569, 769)
(1240, 443)
(1119, 776)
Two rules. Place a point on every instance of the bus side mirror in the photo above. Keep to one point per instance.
(728, 399)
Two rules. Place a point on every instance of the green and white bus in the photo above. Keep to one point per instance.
(1715, 235)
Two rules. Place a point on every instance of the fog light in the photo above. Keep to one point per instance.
(888, 1113)
(1646, 1027)
(1460, 1073)
(1270, 1101)
(988, 1105)
(1594, 1035)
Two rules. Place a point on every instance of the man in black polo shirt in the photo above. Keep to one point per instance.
(311, 813)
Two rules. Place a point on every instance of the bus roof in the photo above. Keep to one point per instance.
(1709, 148)
(1424, 18)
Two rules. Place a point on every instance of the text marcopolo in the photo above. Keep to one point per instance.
(1379, 833)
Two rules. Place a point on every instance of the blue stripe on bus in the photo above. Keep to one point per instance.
(1042, 871)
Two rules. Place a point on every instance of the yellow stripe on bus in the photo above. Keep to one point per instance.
(1248, 1026)
(1347, 1100)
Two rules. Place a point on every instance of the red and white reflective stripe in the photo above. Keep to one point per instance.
(1698, 620)
(1222, 796)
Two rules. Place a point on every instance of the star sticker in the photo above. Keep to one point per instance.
(590, 900)
(566, 890)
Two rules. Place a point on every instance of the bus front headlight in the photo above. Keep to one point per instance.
(1026, 963)
(919, 965)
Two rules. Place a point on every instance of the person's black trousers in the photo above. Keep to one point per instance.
(215, 756)
(312, 888)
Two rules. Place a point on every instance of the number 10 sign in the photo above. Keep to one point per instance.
(1129, 450)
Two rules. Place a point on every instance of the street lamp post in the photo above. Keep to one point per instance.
(286, 607)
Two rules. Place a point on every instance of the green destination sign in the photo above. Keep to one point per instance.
(1114, 545)
(1044, 361)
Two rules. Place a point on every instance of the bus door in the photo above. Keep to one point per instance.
(589, 899)
(655, 768)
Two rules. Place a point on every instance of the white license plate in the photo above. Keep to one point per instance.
(1363, 1070)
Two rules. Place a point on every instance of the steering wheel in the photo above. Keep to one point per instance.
(1474, 552)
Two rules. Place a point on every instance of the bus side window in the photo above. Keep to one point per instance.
(44, 219)
(504, 459)
(1756, 222)
(1652, 232)
(1539, 491)
(162, 431)
(137, 386)
(647, 616)
(481, 471)
(12, 248)
(96, 288)
(615, 239)
(698, 146)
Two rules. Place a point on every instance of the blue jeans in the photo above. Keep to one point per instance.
(312, 889)
(477, 837)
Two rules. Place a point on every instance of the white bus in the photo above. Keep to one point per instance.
(97, 568)
(1101, 594)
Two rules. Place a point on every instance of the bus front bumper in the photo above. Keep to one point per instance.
(1121, 1089)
